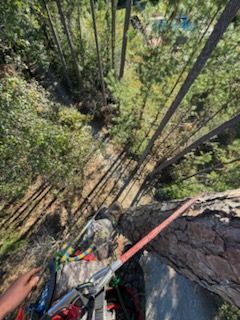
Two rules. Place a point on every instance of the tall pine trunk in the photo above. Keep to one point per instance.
(113, 32)
(203, 245)
(58, 45)
(100, 68)
(82, 53)
(69, 40)
(125, 37)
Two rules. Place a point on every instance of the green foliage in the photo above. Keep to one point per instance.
(11, 245)
(38, 137)
(72, 119)
(153, 63)
(143, 97)
(124, 122)
(22, 34)
(215, 170)
(228, 312)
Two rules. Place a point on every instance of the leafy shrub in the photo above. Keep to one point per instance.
(228, 312)
(37, 137)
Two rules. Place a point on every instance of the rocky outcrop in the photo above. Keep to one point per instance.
(203, 245)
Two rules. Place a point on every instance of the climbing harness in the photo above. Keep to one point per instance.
(81, 301)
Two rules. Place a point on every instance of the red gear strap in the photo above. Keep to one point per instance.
(71, 313)
(20, 314)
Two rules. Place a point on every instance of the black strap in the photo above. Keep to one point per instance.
(90, 308)
(51, 285)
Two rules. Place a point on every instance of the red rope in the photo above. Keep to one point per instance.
(151, 235)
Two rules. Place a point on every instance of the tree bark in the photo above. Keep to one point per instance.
(203, 244)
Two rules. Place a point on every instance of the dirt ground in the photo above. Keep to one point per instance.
(44, 217)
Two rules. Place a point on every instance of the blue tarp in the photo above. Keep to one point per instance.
(160, 25)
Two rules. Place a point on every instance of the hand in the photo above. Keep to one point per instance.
(18, 291)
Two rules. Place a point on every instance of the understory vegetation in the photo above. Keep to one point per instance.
(58, 36)
(38, 137)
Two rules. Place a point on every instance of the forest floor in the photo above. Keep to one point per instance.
(45, 216)
(41, 220)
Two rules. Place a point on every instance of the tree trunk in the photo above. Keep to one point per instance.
(149, 181)
(125, 37)
(113, 31)
(82, 53)
(58, 45)
(221, 26)
(227, 124)
(100, 68)
(203, 245)
(69, 39)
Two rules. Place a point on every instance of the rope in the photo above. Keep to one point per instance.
(66, 255)
(153, 234)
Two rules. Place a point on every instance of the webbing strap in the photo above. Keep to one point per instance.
(66, 254)
(20, 314)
